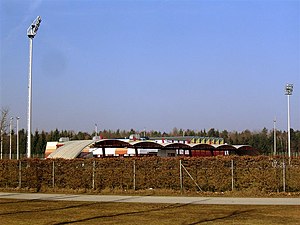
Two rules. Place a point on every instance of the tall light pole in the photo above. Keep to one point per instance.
(18, 137)
(274, 136)
(31, 32)
(10, 131)
(288, 92)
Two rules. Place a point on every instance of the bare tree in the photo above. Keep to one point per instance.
(3, 127)
(3, 120)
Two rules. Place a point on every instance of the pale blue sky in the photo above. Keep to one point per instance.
(152, 64)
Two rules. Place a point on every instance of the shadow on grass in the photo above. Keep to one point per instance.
(171, 206)
(233, 214)
(59, 198)
(46, 210)
(54, 199)
(18, 201)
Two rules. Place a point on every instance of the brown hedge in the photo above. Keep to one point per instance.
(211, 174)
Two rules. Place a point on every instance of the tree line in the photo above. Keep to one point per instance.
(262, 140)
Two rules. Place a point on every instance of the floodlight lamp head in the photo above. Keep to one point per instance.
(289, 89)
(33, 28)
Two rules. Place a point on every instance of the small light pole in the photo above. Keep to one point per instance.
(274, 136)
(1, 143)
(18, 137)
(288, 91)
(96, 130)
(10, 131)
(31, 32)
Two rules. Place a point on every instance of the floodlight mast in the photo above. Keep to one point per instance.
(289, 91)
(31, 32)
(33, 28)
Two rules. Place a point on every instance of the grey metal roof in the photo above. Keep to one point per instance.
(71, 149)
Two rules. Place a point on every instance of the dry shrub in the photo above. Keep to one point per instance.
(212, 174)
(8, 173)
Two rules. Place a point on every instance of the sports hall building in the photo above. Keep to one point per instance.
(138, 147)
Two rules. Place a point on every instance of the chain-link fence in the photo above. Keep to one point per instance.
(215, 174)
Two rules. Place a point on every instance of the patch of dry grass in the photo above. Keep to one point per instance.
(64, 212)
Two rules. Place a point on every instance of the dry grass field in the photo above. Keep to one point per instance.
(64, 212)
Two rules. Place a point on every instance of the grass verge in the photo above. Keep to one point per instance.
(63, 212)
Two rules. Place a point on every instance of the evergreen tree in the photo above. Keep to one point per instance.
(41, 144)
(22, 142)
(35, 141)
(211, 133)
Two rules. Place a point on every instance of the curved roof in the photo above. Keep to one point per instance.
(246, 150)
(225, 147)
(244, 147)
(70, 149)
(112, 143)
(202, 146)
(175, 146)
(146, 144)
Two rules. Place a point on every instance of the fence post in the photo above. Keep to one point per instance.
(283, 175)
(93, 181)
(180, 176)
(134, 175)
(232, 174)
(20, 174)
(53, 174)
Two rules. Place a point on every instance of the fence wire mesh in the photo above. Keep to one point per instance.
(216, 174)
